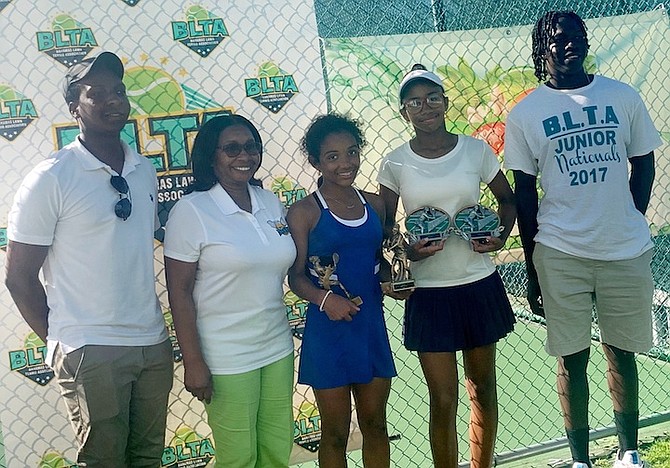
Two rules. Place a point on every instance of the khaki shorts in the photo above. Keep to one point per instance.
(621, 291)
(117, 399)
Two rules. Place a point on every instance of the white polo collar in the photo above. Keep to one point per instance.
(90, 163)
(226, 204)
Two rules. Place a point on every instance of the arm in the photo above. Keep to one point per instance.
(641, 180)
(389, 199)
(380, 209)
(506, 211)
(527, 206)
(22, 267)
(180, 280)
(385, 274)
(302, 217)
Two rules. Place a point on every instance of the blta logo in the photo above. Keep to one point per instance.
(3, 4)
(296, 313)
(68, 42)
(169, 323)
(202, 31)
(187, 450)
(307, 428)
(16, 112)
(164, 117)
(287, 190)
(29, 361)
(55, 460)
(272, 89)
(131, 2)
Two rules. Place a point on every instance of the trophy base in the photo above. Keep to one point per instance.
(433, 236)
(402, 285)
(356, 300)
(481, 234)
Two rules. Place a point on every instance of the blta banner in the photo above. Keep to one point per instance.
(185, 63)
(486, 72)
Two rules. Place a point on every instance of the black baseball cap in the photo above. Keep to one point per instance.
(79, 71)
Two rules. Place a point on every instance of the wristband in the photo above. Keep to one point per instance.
(323, 301)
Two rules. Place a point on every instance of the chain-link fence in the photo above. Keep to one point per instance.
(187, 61)
(485, 73)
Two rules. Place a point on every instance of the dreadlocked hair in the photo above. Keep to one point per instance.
(542, 35)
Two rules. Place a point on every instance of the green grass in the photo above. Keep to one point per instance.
(658, 453)
(655, 452)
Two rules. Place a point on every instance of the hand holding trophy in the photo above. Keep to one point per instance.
(401, 278)
(324, 268)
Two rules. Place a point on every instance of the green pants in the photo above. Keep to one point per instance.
(251, 417)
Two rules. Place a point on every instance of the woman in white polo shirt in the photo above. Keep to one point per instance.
(227, 251)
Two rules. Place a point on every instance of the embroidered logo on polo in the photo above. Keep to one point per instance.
(202, 31)
(16, 112)
(29, 361)
(3, 4)
(53, 459)
(280, 226)
(187, 449)
(296, 313)
(288, 190)
(307, 429)
(68, 42)
(273, 87)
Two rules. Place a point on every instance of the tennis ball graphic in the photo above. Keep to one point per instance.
(152, 91)
(307, 410)
(54, 460)
(33, 341)
(62, 22)
(290, 298)
(269, 69)
(167, 316)
(282, 183)
(196, 12)
(7, 93)
(183, 435)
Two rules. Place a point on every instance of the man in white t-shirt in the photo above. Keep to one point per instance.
(588, 242)
(85, 217)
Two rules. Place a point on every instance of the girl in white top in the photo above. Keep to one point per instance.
(459, 303)
(227, 252)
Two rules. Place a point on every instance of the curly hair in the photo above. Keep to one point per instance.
(325, 125)
(203, 155)
(543, 34)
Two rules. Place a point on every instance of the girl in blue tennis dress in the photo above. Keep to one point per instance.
(345, 348)
(336, 353)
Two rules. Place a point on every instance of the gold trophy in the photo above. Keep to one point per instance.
(324, 269)
(401, 278)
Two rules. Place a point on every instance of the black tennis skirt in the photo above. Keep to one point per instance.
(457, 318)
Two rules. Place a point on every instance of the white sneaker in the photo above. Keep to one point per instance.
(630, 459)
(580, 465)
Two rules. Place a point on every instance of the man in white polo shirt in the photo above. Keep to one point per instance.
(86, 217)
